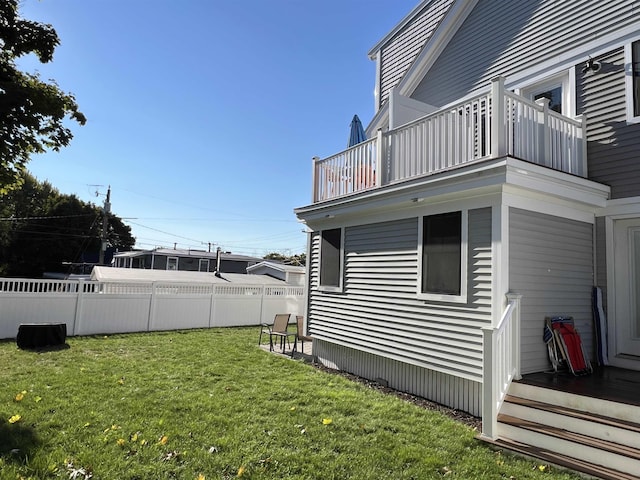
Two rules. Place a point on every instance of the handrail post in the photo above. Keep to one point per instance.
(498, 133)
(583, 146)
(489, 405)
(379, 150)
(314, 183)
(545, 144)
(516, 298)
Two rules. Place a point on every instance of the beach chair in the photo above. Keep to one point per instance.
(565, 346)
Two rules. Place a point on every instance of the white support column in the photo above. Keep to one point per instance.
(498, 126)
(79, 304)
(489, 403)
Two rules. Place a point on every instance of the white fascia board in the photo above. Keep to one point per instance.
(552, 183)
(452, 21)
(628, 207)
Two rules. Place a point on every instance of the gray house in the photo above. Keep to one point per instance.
(499, 185)
(184, 260)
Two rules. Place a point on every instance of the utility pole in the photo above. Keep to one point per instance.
(105, 225)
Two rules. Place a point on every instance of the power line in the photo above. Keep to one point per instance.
(52, 217)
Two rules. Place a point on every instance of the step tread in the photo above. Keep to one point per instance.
(578, 438)
(571, 412)
(561, 460)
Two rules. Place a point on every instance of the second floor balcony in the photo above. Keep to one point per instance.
(497, 124)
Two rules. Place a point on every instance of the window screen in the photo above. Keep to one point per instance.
(441, 253)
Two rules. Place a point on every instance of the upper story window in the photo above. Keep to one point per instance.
(443, 257)
(632, 68)
(331, 259)
(555, 89)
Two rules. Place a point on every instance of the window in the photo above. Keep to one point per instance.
(203, 265)
(556, 89)
(443, 257)
(632, 68)
(172, 263)
(331, 259)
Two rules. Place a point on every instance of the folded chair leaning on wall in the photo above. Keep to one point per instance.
(562, 337)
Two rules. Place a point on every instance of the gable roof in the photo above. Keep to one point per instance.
(277, 266)
(433, 46)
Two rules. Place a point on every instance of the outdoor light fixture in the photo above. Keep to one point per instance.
(591, 66)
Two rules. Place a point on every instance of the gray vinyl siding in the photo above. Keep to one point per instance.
(455, 392)
(398, 54)
(506, 37)
(551, 265)
(613, 146)
(380, 314)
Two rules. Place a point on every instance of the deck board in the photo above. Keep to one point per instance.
(607, 383)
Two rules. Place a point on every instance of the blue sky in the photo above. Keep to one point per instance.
(203, 115)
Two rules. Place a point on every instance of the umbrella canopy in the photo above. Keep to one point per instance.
(357, 134)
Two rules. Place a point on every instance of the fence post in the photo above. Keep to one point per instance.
(212, 305)
(498, 118)
(79, 305)
(152, 307)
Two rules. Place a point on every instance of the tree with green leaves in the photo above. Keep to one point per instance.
(42, 230)
(32, 111)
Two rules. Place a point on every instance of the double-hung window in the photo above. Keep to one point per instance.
(172, 263)
(632, 67)
(443, 257)
(331, 262)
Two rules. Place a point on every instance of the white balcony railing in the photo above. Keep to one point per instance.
(493, 125)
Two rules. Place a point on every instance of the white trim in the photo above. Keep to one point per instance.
(628, 83)
(464, 255)
(560, 79)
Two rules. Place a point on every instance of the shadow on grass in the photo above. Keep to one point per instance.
(17, 441)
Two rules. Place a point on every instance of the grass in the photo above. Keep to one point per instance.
(209, 404)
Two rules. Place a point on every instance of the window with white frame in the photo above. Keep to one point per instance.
(172, 263)
(632, 80)
(555, 89)
(331, 259)
(203, 265)
(443, 257)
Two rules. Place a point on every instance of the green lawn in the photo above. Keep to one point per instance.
(210, 404)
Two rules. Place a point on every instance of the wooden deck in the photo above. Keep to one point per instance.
(607, 383)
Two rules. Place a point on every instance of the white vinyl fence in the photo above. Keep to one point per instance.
(89, 307)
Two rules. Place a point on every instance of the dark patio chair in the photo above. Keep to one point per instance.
(278, 330)
(300, 335)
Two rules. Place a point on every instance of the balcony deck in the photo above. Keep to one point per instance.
(489, 126)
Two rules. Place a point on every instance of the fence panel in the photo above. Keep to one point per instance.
(90, 308)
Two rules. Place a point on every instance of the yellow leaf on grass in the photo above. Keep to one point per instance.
(241, 471)
(327, 421)
(121, 442)
(200, 477)
(542, 468)
(37, 398)
(15, 418)
(20, 396)
(163, 440)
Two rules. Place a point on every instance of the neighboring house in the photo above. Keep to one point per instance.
(178, 259)
(291, 274)
(499, 184)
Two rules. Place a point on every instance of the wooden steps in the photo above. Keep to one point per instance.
(597, 437)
